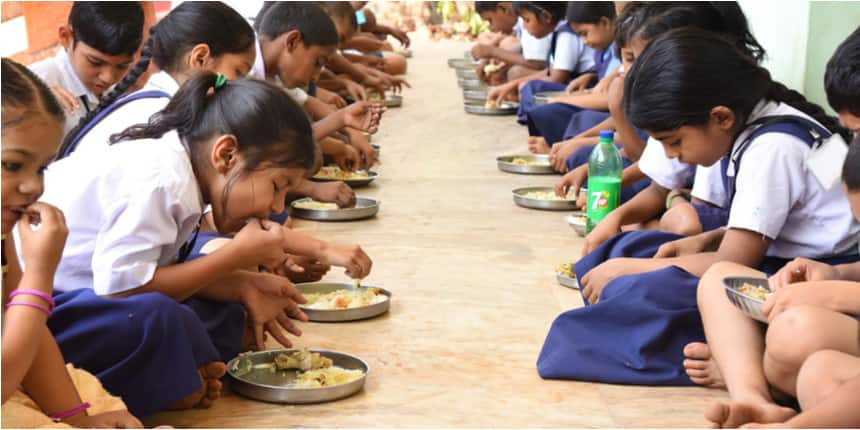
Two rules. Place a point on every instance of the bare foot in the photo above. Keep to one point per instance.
(735, 414)
(210, 388)
(538, 145)
(701, 366)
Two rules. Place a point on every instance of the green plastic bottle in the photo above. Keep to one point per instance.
(604, 179)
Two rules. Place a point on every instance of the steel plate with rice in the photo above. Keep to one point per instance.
(323, 293)
(748, 294)
(308, 208)
(542, 198)
(577, 221)
(359, 178)
(542, 98)
(256, 376)
(529, 164)
(481, 108)
(565, 276)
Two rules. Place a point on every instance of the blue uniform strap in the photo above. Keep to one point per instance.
(802, 128)
(149, 94)
(562, 27)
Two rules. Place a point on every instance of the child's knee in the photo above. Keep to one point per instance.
(794, 335)
(681, 220)
(711, 283)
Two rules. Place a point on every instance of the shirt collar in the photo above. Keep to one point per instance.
(259, 69)
(164, 82)
(71, 82)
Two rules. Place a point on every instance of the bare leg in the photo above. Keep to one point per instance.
(800, 331)
(827, 388)
(681, 219)
(517, 71)
(394, 64)
(538, 145)
(737, 344)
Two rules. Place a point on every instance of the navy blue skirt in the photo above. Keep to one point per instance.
(637, 331)
(527, 96)
(145, 348)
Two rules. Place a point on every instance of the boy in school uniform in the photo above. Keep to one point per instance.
(98, 46)
(521, 53)
(295, 42)
(842, 82)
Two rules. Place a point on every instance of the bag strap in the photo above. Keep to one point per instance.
(149, 94)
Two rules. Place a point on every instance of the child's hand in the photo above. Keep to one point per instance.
(115, 419)
(335, 192)
(559, 153)
(309, 269)
(802, 270)
(705, 242)
(355, 90)
(331, 98)
(363, 116)
(794, 295)
(482, 51)
(396, 84)
(580, 83)
(259, 243)
(572, 181)
(480, 71)
(498, 94)
(375, 83)
(268, 311)
(347, 157)
(365, 150)
(69, 102)
(350, 257)
(603, 231)
(401, 37)
(41, 249)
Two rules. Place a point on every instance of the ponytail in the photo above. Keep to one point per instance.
(118, 90)
(268, 125)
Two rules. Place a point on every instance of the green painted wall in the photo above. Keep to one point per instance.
(830, 22)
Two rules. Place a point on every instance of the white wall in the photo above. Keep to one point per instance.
(781, 27)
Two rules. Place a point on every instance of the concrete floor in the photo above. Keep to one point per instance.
(474, 289)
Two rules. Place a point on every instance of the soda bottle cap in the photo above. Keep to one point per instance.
(607, 134)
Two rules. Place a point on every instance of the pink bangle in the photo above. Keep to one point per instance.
(30, 305)
(59, 416)
(44, 296)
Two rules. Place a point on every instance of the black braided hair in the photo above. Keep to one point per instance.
(22, 89)
(686, 72)
(268, 125)
(212, 23)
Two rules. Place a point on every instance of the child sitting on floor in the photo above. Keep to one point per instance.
(567, 58)
(99, 42)
(516, 53)
(39, 390)
(811, 348)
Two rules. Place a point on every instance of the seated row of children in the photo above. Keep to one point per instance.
(145, 228)
(743, 179)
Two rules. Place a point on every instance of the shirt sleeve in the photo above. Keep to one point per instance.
(132, 240)
(666, 172)
(298, 95)
(769, 183)
(567, 50)
(533, 48)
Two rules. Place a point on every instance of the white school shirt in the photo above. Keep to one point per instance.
(258, 71)
(570, 53)
(135, 112)
(129, 209)
(532, 47)
(708, 185)
(778, 197)
(57, 70)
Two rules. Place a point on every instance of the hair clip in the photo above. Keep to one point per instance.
(220, 80)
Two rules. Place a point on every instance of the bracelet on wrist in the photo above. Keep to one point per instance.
(59, 416)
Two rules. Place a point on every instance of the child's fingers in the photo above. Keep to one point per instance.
(273, 329)
(258, 337)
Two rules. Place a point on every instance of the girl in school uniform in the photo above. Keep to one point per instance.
(778, 209)
(154, 327)
(570, 115)
(568, 57)
(667, 198)
(39, 390)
